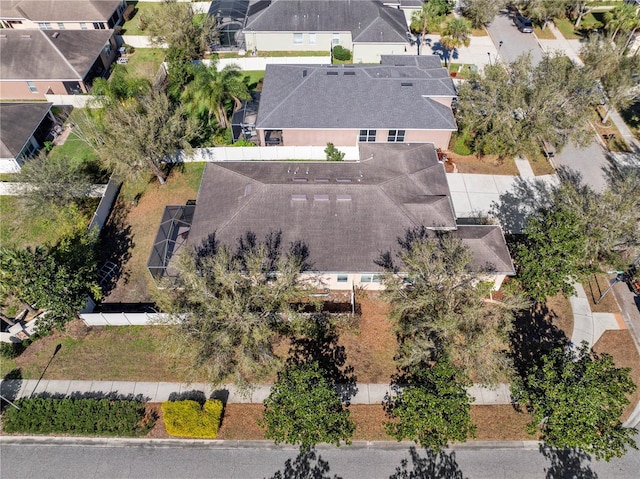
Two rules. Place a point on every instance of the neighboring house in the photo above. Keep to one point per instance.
(61, 14)
(23, 129)
(366, 27)
(403, 99)
(347, 213)
(62, 62)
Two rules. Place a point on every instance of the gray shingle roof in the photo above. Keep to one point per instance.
(59, 10)
(367, 20)
(356, 97)
(347, 213)
(18, 121)
(38, 55)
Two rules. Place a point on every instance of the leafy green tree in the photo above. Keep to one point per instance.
(615, 71)
(138, 136)
(56, 278)
(456, 33)
(429, 18)
(228, 306)
(551, 257)
(120, 85)
(542, 11)
(623, 18)
(444, 307)
(54, 182)
(214, 93)
(576, 399)
(430, 406)
(333, 154)
(480, 12)
(304, 408)
(510, 110)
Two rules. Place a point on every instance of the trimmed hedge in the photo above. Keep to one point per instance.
(93, 417)
(188, 418)
(341, 53)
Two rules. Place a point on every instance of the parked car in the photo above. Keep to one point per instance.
(523, 23)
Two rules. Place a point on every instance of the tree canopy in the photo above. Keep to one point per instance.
(442, 305)
(430, 405)
(480, 12)
(456, 33)
(509, 111)
(229, 305)
(57, 278)
(576, 398)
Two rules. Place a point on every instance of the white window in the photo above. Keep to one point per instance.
(107, 49)
(342, 278)
(336, 38)
(367, 135)
(396, 136)
(371, 278)
(44, 26)
(32, 87)
(297, 38)
(83, 26)
(312, 39)
(60, 26)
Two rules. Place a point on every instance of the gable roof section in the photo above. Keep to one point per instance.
(368, 21)
(346, 213)
(488, 246)
(40, 55)
(18, 121)
(59, 10)
(355, 97)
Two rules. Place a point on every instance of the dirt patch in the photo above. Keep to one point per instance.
(369, 420)
(561, 314)
(371, 348)
(240, 421)
(595, 287)
(486, 165)
(158, 431)
(621, 346)
(500, 423)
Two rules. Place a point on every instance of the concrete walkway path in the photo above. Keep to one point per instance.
(160, 391)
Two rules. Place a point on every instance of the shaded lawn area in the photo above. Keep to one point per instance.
(598, 284)
(566, 28)
(146, 9)
(20, 227)
(143, 219)
(144, 62)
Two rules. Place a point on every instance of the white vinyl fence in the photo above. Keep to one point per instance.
(104, 207)
(257, 153)
(122, 319)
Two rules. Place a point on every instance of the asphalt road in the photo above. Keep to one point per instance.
(514, 43)
(146, 462)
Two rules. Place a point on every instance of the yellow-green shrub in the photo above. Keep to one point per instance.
(187, 418)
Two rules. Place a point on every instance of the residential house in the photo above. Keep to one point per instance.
(24, 127)
(61, 14)
(368, 28)
(347, 213)
(403, 99)
(63, 62)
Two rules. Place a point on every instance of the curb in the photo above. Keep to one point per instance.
(241, 444)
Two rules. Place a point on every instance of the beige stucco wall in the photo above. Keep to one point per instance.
(283, 41)
(292, 137)
(370, 52)
(18, 90)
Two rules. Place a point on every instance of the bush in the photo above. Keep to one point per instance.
(341, 53)
(93, 417)
(11, 350)
(333, 154)
(128, 49)
(188, 418)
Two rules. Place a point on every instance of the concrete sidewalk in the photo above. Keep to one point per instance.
(159, 391)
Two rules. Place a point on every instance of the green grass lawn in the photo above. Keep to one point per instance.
(145, 9)
(545, 34)
(253, 77)
(145, 62)
(566, 28)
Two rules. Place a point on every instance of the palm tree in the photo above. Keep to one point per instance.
(456, 33)
(210, 92)
(625, 17)
(425, 20)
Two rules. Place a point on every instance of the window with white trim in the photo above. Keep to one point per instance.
(343, 278)
(312, 39)
(396, 136)
(367, 135)
(83, 26)
(32, 87)
(45, 26)
(61, 26)
(336, 39)
(297, 38)
(371, 278)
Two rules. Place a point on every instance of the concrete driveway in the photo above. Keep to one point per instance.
(590, 162)
(514, 43)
